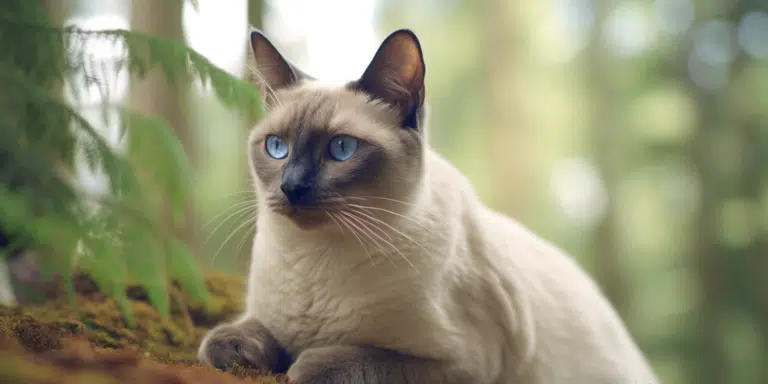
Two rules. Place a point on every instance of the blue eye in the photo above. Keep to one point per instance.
(276, 147)
(342, 147)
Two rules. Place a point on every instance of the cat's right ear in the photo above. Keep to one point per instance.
(270, 71)
(396, 75)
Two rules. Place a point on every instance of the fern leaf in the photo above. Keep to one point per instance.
(98, 152)
(154, 147)
(183, 268)
(101, 257)
(143, 52)
(145, 261)
(122, 240)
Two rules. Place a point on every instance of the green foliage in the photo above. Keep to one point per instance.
(120, 237)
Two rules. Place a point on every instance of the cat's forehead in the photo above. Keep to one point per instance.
(306, 108)
(314, 106)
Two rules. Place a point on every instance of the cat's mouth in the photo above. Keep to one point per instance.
(307, 215)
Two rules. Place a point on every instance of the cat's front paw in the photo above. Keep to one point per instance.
(327, 365)
(229, 344)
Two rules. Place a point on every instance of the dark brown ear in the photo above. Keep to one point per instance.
(396, 75)
(271, 71)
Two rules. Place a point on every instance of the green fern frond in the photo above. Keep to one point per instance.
(179, 63)
(141, 53)
(153, 147)
(189, 276)
(97, 150)
(120, 237)
(99, 255)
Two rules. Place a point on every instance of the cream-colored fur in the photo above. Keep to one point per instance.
(489, 295)
(410, 260)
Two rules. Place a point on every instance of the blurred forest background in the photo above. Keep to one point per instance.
(633, 134)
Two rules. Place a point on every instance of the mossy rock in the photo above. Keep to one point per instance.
(54, 342)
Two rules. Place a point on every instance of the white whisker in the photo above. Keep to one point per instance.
(343, 221)
(364, 229)
(399, 215)
(396, 230)
(394, 201)
(391, 244)
(369, 221)
(233, 206)
(241, 226)
(245, 236)
(335, 221)
(245, 210)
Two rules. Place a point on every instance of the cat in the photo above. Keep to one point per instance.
(376, 262)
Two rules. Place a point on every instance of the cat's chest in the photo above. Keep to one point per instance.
(309, 310)
(301, 317)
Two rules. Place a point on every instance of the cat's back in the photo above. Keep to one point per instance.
(577, 336)
(555, 318)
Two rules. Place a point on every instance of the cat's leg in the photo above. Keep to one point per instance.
(370, 365)
(246, 343)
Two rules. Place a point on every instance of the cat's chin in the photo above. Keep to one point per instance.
(305, 219)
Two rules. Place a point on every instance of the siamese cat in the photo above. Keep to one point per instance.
(376, 262)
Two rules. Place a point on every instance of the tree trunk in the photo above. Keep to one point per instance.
(756, 251)
(607, 152)
(754, 180)
(711, 368)
(507, 121)
(153, 96)
(710, 364)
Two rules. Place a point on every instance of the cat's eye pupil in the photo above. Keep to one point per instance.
(342, 147)
(276, 147)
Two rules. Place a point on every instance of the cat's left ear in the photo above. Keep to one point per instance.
(396, 75)
(271, 72)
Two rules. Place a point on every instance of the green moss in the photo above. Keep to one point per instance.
(19, 328)
(96, 341)
(173, 340)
